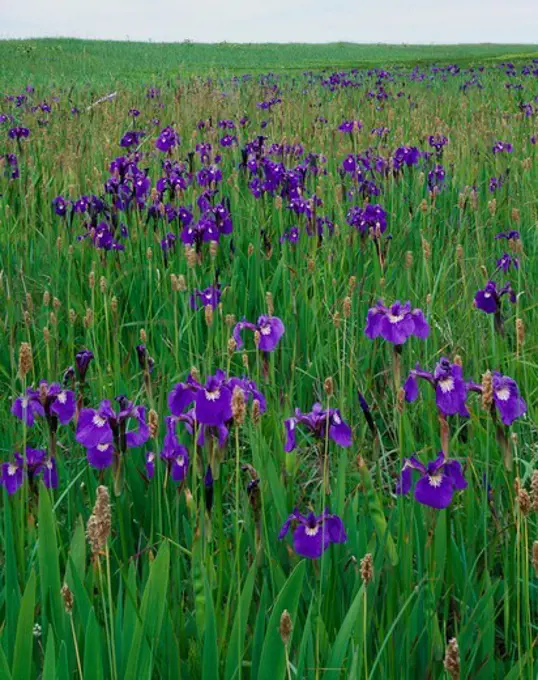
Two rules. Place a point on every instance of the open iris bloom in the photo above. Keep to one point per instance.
(317, 422)
(439, 479)
(506, 398)
(37, 462)
(106, 435)
(396, 323)
(313, 534)
(489, 300)
(50, 401)
(450, 388)
(270, 328)
(212, 404)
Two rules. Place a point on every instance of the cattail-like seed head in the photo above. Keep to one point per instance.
(458, 360)
(516, 215)
(270, 304)
(208, 311)
(59, 243)
(153, 423)
(256, 411)
(114, 305)
(46, 335)
(192, 258)
(232, 346)
(522, 497)
(99, 523)
(337, 319)
(426, 249)
(103, 284)
(250, 250)
(352, 283)
(492, 206)
(484, 271)
(311, 266)
(149, 254)
(286, 627)
(181, 283)
(27, 317)
(195, 374)
(244, 359)
(91, 280)
(424, 206)
(26, 360)
(143, 336)
(52, 319)
(46, 298)
(367, 569)
(238, 405)
(174, 283)
(88, 318)
(328, 386)
(29, 302)
(461, 200)
(230, 320)
(459, 253)
(346, 307)
(56, 303)
(400, 398)
(70, 250)
(408, 259)
(452, 659)
(257, 338)
(67, 597)
(429, 299)
(278, 202)
(72, 316)
(487, 391)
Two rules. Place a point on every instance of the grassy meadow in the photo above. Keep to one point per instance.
(248, 197)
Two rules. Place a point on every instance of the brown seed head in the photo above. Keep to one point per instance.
(26, 361)
(250, 249)
(99, 523)
(194, 373)
(311, 266)
(270, 304)
(487, 391)
(88, 318)
(367, 568)
(352, 284)
(426, 249)
(114, 305)
(46, 335)
(458, 360)
(516, 215)
(238, 405)
(29, 302)
(256, 412)
(408, 259)
(452, 659)
(46, 298)
(257, 338)
(522, 498)
(520, 333)
(103, 284)
(492, 206)
(72, 316)
(346, 307)
(336, 319)
(535, 557)
(230, 320)
(153, 423)
(91, 280)
(534, 490)
(286, 627)
(143, 336)
(328, 386)
(232, 346)
(244, 359)
(208, 311)
(67, 597)
(424, 206)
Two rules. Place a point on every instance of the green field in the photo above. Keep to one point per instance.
(64, 61)
(260, 196)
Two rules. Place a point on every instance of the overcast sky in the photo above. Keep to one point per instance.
(391, 21)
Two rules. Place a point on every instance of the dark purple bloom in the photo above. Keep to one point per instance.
(209, 297)
(437, 483)
(507, 261)
(167, 139)
(106, 426)
(13, 474)
(50, 401)
(499, 147)
(437, 141)
(150, 464)
(37, 462)
(316, 422)
(174, 454)
(83, 360)
(313, 534)
(131, 138)
(436, 179)
(145, 362)
(213, 402)
(506, 398)
(350, 125)
(60, 205)
(489, 298)
(371, 217)
(512, 235)
(396, 323)
(19, 133)
(100, 456)
(270, 329)
(450, 388)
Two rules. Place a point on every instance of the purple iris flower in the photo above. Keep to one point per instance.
(213, 401)
(104, 431)
(209, 297)
(350, 125)
(316, 422)
(313, 534)
(168, 138)
(507, 261)
(499, 147)
(489, 298)
(50, 401)
(450, 388)
(12, 476)
(174, 454)
(436, 179)
(19, 133)
(60, 205)
(131, 138)
(506, 398)
(291, 235)
(83, 360)
(150, 464)
(370, 217)
(437, 142)
(438, 480)
(512, 235)
(396, 323)
(270, 328)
